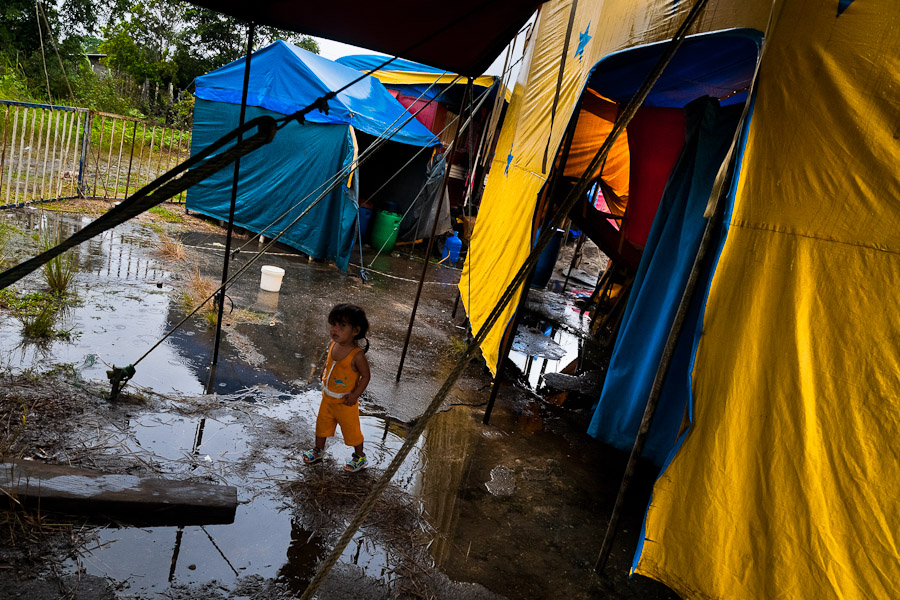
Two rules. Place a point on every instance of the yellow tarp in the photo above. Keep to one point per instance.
(531, 133)
(786, 485)
(415, 78)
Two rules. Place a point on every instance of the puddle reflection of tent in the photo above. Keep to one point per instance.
(278, 182)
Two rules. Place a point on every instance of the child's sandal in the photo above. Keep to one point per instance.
(312, 456)
(357, 463)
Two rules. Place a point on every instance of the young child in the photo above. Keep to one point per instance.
(346, 375)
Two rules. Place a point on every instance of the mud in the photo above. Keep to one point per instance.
(513, 509)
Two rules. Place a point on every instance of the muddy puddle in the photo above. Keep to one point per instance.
(501, 507)
(268, 538)
(264, 385)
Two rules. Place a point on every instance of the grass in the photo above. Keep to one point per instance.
(63, 207)
(198, 289)
(40, 324)
(59, 272)
(38, 313)
(167, 215)
(5, 232)
(170, 248)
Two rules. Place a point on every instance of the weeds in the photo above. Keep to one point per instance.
(5, 231)
(38, 313)
(197, 290)
(167, 215)
(59, 272)
(170, 248)
(458, 346)
(40, 324)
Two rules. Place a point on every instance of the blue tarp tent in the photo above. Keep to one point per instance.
(279, 181)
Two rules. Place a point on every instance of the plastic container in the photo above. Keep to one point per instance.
(365, 222)
(271, 278)
(384, 230)
(547, 261)
(452, 246)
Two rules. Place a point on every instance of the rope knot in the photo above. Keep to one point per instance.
(118, 377)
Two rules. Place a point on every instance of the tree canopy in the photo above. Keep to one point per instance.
(152, 48)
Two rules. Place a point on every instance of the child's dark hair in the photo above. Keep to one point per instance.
(352, 315)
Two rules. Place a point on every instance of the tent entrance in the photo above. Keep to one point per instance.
(676, 143)
(404, 179)
(619, 211)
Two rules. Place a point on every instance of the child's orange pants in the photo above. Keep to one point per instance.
(333, 412)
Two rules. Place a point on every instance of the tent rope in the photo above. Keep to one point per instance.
(512, 290)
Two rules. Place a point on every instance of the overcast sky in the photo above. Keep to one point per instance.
(332, 50)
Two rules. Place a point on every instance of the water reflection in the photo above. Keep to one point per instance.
(304, 552)
(120, 312)
(450, 444)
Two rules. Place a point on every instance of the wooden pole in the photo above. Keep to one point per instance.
(656, 390)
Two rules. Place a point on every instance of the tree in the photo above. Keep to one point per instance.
(163, 42)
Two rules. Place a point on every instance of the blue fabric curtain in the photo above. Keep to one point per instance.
(278, 176)
(658, 286)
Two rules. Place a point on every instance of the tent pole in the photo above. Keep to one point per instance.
(578, 246)
(234, 185)
(658, 381)
(507, 346)
(463, 107)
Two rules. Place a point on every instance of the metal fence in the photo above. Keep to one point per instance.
(59, 152)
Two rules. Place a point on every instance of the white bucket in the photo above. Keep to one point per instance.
(271, 278)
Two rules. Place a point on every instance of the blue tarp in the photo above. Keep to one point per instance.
(278, 176)
(719, 65)
(302, 159)
(658, 286)
(367, 62)
(285, 79)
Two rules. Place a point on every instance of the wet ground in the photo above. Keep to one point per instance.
(513, 509)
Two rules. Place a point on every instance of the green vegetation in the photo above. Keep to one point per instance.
(154, 50)
(167, 215)
(59, 272)
(38, 313)
(5, 231)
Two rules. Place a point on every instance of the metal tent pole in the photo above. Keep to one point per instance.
(578, 246)
(234, 186)
(507, 346)
(464, 105)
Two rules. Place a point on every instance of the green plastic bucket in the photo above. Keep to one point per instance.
(384, 230)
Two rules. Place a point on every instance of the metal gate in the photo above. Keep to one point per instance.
(58, 152)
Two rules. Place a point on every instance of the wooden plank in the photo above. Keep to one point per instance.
(125, 498)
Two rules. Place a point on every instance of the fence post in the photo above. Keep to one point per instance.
(85, 144)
